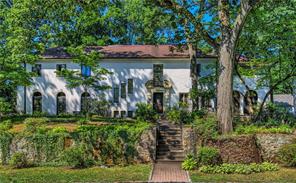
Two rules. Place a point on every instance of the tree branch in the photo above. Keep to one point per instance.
(177, 8)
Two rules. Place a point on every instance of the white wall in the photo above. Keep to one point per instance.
(140, 70)
(49, 85)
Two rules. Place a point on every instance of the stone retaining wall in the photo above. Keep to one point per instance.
(241, 149)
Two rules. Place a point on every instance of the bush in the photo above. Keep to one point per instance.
(6, 125)
(19, 160)
(146, 112)
(83, 121)
(208, 156)
(206, 127)
(190, 163)
(239, 168)
(253, 129)
(77, 157)
(287, 154)
(174, 115)
(34, 124)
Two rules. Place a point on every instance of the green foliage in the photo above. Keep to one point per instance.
(6, 125)
(19, 160)
(180, 115)
(34, 124)
(5, 107)
(208, 156)
(190, 162)
(83, 121)
(77, 157)
(239, 168)
(287, 154)
(276, 115)
(253, 129)
(5, 141)
(145, 112)
(206, 127)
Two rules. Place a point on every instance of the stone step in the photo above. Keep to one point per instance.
(168, 158)
(171, 152)
(169, 134)
(169, 141)
(170, 137)
(169, 147)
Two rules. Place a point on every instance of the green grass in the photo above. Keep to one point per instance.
(283, 175)
(61, 174)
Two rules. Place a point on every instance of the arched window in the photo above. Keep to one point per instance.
(61, 103)
(37, 102)
(250, 99)
(236, 102)
(85, 100)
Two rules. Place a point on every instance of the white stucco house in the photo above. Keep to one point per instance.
(141, 73)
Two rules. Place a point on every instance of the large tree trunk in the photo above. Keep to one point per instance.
(224, 90)
(194, 77)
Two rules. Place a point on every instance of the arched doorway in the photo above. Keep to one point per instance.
(236, 102)
(61, 103)
(37, 102)
(251, 100)
(85, 100)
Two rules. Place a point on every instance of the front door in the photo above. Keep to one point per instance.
(158, 102)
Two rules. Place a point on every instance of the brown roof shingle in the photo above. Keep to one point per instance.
(125, 51)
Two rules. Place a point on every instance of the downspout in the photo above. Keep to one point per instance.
(25, 92)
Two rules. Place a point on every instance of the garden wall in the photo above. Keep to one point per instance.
(144, 148)
(240, 149)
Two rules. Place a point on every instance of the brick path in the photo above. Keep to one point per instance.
(168, 172)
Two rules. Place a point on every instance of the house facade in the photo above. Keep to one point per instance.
(159, 75)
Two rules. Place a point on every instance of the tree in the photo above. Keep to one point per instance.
(221, 31)
(272, 55)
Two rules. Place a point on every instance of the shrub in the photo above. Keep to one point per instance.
(206, 127)
(6, 125)
(253, 129)
(287, 154)
(190, 163)
(77, 157)
(83, 121)
(208, 156)
(59, 129)
(19, 160)
(146, 112)
(33, 124)
(174, 115)
(239, 168)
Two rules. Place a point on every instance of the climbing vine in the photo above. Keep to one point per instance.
(5, 141)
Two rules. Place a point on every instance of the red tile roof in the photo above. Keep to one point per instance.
(126, 51)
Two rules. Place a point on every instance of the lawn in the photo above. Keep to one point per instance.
(61, 174)
(283, 175)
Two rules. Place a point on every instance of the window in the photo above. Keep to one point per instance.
(37, 102)
(130, 86)
(115, 114)
(85, 100)
(251, 100)
(122, 114)
(85, 71)
(37, 69)
(123, 90)
(198, 69)
(116, 94)
(130, 114)
(236, 102)
(158, 74)
(59, 68)
(61, 103)
(183, 98)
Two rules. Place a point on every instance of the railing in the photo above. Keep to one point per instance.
(156, 131)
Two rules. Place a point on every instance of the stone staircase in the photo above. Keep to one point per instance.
(169, 142)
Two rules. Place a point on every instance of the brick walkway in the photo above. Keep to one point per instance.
(168, 172)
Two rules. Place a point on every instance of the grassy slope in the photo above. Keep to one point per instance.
(283, 175)
(60, 174)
